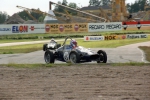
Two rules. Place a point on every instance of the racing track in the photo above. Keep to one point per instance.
(123, 54)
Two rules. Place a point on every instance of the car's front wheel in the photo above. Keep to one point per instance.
(102, 56)
(49, 57)
(74, 57)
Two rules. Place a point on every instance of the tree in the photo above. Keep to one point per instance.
(25, 16)
(128, 6)
(72, 5)
(94, 3)
(99, 2)
(64, 2)
(58, 8)
(41, 18)
(138, 5)
(3, 17)
(106, 2)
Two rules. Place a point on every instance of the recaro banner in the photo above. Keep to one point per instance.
(99, 27)
(60, 28)
(22, 29)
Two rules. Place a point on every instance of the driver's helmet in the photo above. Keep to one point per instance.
(52, 40)
(73, 43)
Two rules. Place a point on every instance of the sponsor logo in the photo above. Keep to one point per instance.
(5, 29)
(110, 37)
(94, 27)
(113, 26)
(115, 37)
(83, 26)
(76, 27)
(19, 29)
(67, 26)
(123, 37)
(94, 38)
(61, 28)
(47, 28)
(110, 26)
(87, 38)
(54, 26)
(135, 36)
(32, 28)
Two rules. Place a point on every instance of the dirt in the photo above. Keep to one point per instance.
(86, 82)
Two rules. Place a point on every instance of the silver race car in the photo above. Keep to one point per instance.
(72, 53)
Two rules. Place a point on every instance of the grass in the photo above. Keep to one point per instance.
(88, 44)
(7, 38)
(146, 49)
(32, 66)
(21, 48)
(111, 43)
(22, 40)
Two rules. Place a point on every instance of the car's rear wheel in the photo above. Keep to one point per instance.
(44, 47)
(49, 57)
(74, 57)
(102, 56)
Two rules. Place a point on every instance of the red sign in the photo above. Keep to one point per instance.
(32, 28)
(76, 27)
(123, 37)
(61, 28)
(87, 38)
(47, 28)
(134, 23)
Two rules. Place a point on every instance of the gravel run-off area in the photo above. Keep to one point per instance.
(75, 82)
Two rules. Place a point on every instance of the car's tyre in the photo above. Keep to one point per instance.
(49, 57)
(74, 57)
(44, 47)
(102, 56)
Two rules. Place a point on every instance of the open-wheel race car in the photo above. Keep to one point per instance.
(70, 52)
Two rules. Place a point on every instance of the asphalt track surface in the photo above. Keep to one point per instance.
(123, 54)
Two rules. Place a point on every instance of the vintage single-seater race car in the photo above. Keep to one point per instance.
(72, 53)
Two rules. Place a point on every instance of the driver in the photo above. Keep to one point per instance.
(53, 41)
(73, 44)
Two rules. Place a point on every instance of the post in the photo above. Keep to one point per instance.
(50, 5)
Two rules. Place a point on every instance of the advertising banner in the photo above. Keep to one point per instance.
(5, 29)
(81, 27)
(66, 28)
(36, 28)
(115, 37)
(93, 38)
(141, 25)
(136, 36)
(99, 27)
(22, 29)
(50, 28)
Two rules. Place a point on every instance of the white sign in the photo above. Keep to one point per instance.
(5, 29)
(93, 38)
(135, 36)
(22, 29)
(98, 27)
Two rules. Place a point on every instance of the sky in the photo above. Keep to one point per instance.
(9, 6)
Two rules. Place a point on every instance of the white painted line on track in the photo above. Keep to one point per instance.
(143, 55)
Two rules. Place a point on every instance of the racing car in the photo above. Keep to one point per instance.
(72, 53)
(51, 45)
